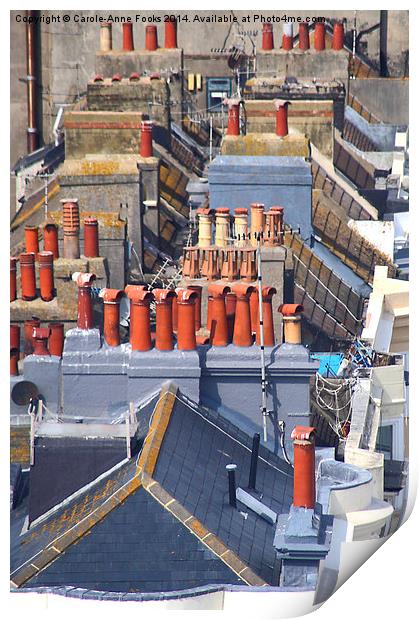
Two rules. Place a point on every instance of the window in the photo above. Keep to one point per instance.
(217, 90)
(385, 441)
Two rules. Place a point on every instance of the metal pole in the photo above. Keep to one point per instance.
(46, 197)
(262, 341)
(210, 152)
(254, 461)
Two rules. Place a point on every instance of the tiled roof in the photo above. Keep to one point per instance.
(162, 521)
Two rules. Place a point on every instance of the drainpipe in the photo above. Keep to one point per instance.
(304, 466)
(186, 337)
(51, 239)
(292, 322)
(31, 239)
(140, 330)
(242, 334)
(222, 226)
(338, 36)
(267, 37)
(91, 237)
(241, 228)
(27, 276)
(164, 326)
(170, 34)
(319, 37)
(46, 275)
(32, 130)
(84, 283)
(151, 43)
(303, 37)
(146, 146)
(13, 286)
(287, 37)
(281, 128)
(219, 326)
(105, 37)
(71, 228)
(40, 340)
(28, 328)
(111, 300)
(56, 339)
(198, 290)
(127, 37)
(268, 321)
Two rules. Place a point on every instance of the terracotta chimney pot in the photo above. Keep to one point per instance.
(27, 276)
(46, 275)
(219, 326)
(186, 337)
(164, 326)
(51, 239)
(242, 335)
(304, 466)
(56, 339)
(140, 329)
(111, 300)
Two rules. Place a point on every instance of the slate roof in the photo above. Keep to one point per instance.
(162, 521)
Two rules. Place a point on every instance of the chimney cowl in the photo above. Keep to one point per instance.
(111, 295)
(83, 279)
(290, 309)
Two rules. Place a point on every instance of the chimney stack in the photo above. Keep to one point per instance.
(319, 37)
(40, 340)
(27, 276)
(170, 34)
(268, 321)
(304, 466)
(46, 275)
(31, 240)
(13, 270)
(111, 300)
(241, 228)
(303, 37)
(84, 283)
(338, 36)
(127, 37)
(151, 38)
(28, 328)
(164, 327)
(222, 226)
(139, 331)
(219, 326)
(257, 221)
(204, 227)
(56, 339)
(146, 146)
(91, 237)
(105, 37)
(51, 239)
(186, 337)
(292, 322)
(242, 334)
(198, 290)
(281, 128)
(267, 37)
(233, 126)
(287, 37)
(71, 228)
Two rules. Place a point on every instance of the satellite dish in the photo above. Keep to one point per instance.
(124, 312)
(23, 392)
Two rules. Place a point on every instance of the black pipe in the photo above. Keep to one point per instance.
(231, 470)
(254, 461)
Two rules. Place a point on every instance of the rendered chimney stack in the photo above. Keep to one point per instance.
(56, 339)
(40, 340)
(338, 36)
(106, 37)
(257, 221)
(198, 290)
(303, 37)
(292, 322)
(170, 34)
(31, 239)
(151, 38)
(51, 239)
(28, 328)
(242, 334)
(27, 276)
(13, 271)
(287, 37)
(84, 283)
(127, 37)
(319, 37)
(164, 327)
(71, 228)
(222, 226)
(304, 466)
(146, 146)
(241, 228)
(268, 321)
(231, 472)
(267, 37)
(281, 127)
(140, 330)
(204, 227)
(233, 126)
(111, 300)
(46, 275)
(219, 326)
(91, 237)
(186, 337)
